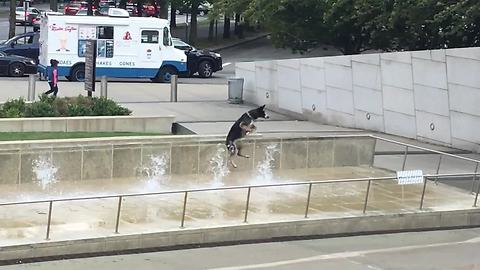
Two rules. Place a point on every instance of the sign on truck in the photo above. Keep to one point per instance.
(127, 47)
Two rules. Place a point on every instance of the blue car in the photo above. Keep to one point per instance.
(26, 45)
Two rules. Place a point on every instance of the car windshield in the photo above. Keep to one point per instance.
(181, 43)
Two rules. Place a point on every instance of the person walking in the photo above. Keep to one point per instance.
(53, 78)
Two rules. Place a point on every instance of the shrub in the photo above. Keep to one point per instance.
(13, 108)
(49, 106)
(40, 109)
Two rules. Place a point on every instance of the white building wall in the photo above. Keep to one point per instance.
(428, 95)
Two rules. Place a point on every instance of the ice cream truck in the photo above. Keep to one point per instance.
(127, 47)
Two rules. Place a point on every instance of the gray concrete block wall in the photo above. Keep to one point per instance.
(430, 95)
(182, 155)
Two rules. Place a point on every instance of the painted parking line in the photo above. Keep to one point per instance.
(226, 64)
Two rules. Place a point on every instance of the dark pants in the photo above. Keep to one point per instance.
(53, 89)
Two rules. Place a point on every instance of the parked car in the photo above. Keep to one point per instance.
(16, 66)
(149, 10)
(203, 62)
(26, 45)
(84, 12)
(26, 18)
(202, 9)
(73, 7)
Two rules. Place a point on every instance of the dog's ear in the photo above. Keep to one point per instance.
(263, 106)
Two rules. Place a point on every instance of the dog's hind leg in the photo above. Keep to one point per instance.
(232, 148)
(241, 155)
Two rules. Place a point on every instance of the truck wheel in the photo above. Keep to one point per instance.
(16, 70)
(165, 74)
(78, 74)
(205, 69)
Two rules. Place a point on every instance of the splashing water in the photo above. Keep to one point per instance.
(44, 171)
(218, 166)
(154, 172)
(264, 168)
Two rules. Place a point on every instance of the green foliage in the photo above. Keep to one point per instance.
(50, 107)
(357, 25)
(13, 108)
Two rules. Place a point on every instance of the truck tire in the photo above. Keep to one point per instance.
(77, 74)
(205, 69)
(165, 74)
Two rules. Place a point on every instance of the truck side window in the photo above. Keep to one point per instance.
(149, 36)
(166, 37)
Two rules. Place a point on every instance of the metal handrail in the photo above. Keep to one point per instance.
(424, 148)
(328, 181)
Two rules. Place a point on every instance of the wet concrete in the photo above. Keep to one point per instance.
(21, 224)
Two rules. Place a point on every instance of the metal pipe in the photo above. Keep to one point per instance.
(117, 223)
(366, 196)
(474, 177)
(173, 88)
(31, 87)
(308, 200)
(49, 221)
(247, 204)
(104, 86)
(184, 209)
(423, 192)
(438, 168)
(405, 158)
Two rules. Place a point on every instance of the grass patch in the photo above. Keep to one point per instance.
(24, 136)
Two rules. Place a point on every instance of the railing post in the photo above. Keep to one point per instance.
(104, 86)
(423, 191)
(247, 204)
(308, 200)
(438, 169)
(476, 196)
(49, 221)
(184, 209)
(366, 197)
(173, 88)
(117, 222)
(405, 158)
(474, 177)
(31, 87)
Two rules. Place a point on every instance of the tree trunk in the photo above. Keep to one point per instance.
(173, 16)
(193, 25)
(54, 5)
(210, 29)
(11, 28)
(226, 27)
(122, 4)
(237, 21)
(140, 8)
(163, 5)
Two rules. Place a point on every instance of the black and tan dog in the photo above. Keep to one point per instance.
(242, 127)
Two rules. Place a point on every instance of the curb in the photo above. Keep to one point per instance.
(240, 42)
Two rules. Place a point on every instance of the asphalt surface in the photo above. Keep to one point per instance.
(455, 249)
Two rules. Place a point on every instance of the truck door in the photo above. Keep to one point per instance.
(150, 48)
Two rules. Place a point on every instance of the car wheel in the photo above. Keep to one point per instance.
(16, 70)
(78, 74)
(205, 69)
(165, 74)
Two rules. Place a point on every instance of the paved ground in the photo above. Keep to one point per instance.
(449, 250)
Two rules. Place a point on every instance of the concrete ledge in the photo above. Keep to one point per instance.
(160, 124)
(247, 232)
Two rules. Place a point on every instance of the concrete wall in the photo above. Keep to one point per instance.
(100, 159)
(432, 96)
(160, 124)
(248, 232)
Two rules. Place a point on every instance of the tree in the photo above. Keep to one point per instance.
(11, 19)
